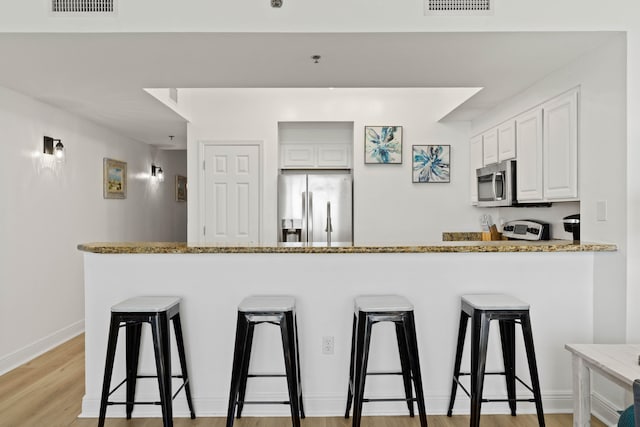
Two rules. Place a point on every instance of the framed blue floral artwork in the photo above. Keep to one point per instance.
(383, 144)
(431, 163)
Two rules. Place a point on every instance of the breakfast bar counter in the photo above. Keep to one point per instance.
(555, 277)
(345, 248)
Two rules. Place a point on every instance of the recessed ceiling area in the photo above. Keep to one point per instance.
(101, 76)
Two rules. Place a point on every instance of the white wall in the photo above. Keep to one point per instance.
(49, 208)
(388, 207)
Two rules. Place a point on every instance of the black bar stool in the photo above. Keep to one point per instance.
(369, 310)
(158, 311)
(508, 311)
(275, 310)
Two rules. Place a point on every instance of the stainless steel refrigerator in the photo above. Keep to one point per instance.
(315, 207)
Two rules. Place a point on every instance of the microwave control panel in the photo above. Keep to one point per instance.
(526, 230)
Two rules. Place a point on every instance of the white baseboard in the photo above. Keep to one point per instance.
(33, 350)
(604, 410)
(327, 405)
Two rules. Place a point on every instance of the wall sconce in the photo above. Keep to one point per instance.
(49, 148)
(157, 173)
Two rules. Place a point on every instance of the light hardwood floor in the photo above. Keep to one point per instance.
(47, 392)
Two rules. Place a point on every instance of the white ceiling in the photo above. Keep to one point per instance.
(102, 76)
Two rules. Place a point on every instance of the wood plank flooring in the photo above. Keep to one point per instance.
(47, 392)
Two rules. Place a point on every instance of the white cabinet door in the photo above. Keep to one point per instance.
(475, 162)
(231, 193)
(490, 147)
(334, 156)
(529, 147)
(297, 156)
(507, 141)
(561, 147)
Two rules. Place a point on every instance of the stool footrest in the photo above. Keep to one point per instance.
(496, 400)
(509, 400)
(265, 402)
(184, 383)
(133, 403)
(390, 399)
(265, 375)
(385, 373)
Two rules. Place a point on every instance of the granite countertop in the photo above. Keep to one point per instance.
(341, 248)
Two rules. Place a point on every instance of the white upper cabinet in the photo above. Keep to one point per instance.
(315, 155)
(507, 141)
(475, 162)
(529, 166)
(334, 156)
(490, 147)
(297, 155)
(315, 145)
(561, 147)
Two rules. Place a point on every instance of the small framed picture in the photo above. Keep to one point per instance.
(431, 163)
(181, 188)
(383, 144)
(114, 179)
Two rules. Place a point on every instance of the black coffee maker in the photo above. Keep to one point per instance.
(572, 225)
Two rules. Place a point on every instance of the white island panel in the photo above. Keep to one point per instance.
(559, 287)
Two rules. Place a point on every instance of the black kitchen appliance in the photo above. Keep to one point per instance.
(572, 225)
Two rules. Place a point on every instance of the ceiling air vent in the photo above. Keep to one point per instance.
(458, 7)
(83, 6)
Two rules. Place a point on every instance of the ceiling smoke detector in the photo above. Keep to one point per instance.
(276, 3)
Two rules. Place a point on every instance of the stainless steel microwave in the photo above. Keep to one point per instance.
(497, 184)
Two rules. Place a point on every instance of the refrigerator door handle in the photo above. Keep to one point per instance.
(304, 216)
(310, 219)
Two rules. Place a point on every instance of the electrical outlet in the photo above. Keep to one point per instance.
(327, 345)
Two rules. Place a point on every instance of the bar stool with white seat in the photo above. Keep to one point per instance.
(369, 310)
(131, 314)
(508, 311)
(275, 310)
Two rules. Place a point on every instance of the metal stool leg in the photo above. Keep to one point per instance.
(238, 357)
(350, 386)
(297, 351)
(533, 367)
(162, 350)
(479, 340)
(405, 365)
(108, 367)
(362, 357)
(133, 332)
(462, 331)
(177, 327)
(286, 330)
(508, 340)
(414, 361)
(244, 373)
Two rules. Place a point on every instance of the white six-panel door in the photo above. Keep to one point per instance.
(231, 193)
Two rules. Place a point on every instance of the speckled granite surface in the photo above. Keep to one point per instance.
(459, 246)
(461, 236)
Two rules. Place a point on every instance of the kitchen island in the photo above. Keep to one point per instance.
(555, 277)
